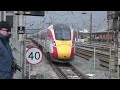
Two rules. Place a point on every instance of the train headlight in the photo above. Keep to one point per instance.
(53, 43)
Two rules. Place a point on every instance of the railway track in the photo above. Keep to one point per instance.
(102, 52)
(64, 71)
(67, 71)
(101, 47)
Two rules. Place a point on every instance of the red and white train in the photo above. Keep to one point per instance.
(57, 42)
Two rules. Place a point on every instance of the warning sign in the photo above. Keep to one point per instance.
(21, 30)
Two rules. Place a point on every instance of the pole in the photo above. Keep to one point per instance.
(22, 41)
(110, 62)
(29, 71)
(3, 16)
(94, 56)
(38, 34)
(108, 33)
(114, 37)
(118, 47)
(90, 28)
(77, 36)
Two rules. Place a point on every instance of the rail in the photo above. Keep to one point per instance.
(67, 71)
(104, 53)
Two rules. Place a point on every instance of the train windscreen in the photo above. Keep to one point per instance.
(62, 32)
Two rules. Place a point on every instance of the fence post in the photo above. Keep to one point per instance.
(94, 56)
(110, 60)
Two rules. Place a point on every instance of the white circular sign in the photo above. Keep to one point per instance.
(34, 55)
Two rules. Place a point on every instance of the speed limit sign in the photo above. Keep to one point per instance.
(34, 55)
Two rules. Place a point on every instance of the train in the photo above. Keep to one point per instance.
(57, 42)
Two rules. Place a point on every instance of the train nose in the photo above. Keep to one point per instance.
(64, 52)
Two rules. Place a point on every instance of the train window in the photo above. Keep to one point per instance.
(62, 32)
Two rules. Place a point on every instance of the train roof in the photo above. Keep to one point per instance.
(60, 25)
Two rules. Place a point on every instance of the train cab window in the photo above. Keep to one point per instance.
(62, 32)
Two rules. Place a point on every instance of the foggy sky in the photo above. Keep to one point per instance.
(76, 19)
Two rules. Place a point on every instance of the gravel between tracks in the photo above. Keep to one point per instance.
(46, 70)
(101, 73)
(81, 64)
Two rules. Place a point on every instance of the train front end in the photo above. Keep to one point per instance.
(63, 45)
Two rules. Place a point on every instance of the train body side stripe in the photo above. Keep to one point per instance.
(72, 52)
(51, 36)
(55, 53)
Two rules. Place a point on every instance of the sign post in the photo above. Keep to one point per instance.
(118, 47)
(33, 56)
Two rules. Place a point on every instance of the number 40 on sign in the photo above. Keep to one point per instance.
(34, 55)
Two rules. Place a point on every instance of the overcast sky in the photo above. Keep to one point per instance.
(78, 20)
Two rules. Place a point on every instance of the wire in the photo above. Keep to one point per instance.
(100, 24)
(85, 23)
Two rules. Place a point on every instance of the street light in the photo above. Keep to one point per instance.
(90, 26)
